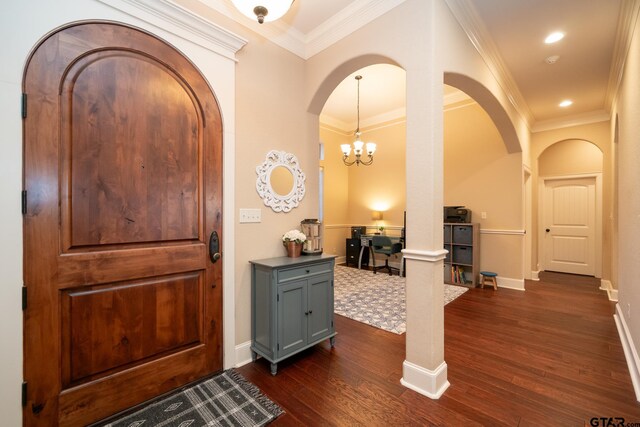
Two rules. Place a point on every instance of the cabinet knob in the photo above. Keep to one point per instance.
(306, 313)
(308, 271)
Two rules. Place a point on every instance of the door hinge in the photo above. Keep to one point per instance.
(24, 202)
(24, 298)
(278, 346)
(24, 393)
(278, 297)
(24, 105)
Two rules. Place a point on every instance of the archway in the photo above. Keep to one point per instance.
(354, 192)
(491, 105)
(570, 175)
(483, 171)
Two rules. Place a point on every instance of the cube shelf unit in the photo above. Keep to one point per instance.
(462, 263)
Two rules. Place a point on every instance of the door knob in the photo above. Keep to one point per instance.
(214, 247)
(547, 230)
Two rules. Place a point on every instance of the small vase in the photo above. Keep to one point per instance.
(294, 249)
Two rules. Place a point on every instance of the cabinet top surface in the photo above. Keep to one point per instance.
(284, 261)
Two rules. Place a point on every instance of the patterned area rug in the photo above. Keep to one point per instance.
(377, 299)
(224, 400)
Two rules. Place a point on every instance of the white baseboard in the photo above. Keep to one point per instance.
(606, 285)
(424, 381)
(535, 275)
(509, 283)
(630, 352)
(243, 354)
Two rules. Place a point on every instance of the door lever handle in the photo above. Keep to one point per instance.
(214, 247)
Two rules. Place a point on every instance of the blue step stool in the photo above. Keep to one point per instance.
(488, 278)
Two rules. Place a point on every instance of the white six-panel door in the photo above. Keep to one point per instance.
(569, 225)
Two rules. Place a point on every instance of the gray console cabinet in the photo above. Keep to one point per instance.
(291, 305)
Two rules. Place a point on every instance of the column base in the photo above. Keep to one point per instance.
(424, 381)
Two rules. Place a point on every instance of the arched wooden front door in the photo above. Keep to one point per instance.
(123, 180)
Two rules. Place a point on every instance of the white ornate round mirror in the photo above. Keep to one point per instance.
(280, 181)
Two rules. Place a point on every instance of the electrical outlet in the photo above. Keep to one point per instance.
(250, 215)
(483, 215)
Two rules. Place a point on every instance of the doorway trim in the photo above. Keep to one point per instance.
(528, 219)
(542, 180)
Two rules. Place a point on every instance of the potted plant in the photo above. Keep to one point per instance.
(293, 240)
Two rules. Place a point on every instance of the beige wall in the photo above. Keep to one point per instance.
(570, 157)
(264, 73)
(336, 191)
(478, 171)
(574, 150)
(627, 110)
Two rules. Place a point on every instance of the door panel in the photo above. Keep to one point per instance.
(129, 180)
(292, 321)
(569, 215)
(117, 325)
(320, 307)
(122, 168)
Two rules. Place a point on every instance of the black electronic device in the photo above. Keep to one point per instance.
(357, 232)
(457, 214)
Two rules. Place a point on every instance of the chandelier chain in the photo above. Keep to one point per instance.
(358, 78)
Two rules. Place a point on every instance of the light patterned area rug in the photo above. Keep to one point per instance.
(227, 399)
(377, 299)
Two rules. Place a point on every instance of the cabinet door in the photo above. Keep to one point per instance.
(320, 303)
(292, 321)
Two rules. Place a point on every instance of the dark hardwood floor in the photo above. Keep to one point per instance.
(547, 356)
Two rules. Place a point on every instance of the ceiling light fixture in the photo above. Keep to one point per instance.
(264, 10)
(554, 37)
(552, 59)
(565, 103)
(358, 144)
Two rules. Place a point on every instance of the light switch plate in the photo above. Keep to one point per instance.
(250, 215)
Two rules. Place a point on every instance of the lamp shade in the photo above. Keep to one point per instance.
(275, 8)
(376, 215)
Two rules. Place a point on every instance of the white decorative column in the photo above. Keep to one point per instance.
(424, 369)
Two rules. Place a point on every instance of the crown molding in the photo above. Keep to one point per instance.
(470, 21)
(455, 97)
(353, 17)
(183, 23)
(336, 124)
(399, 114)
(629, 11)
(570, 121)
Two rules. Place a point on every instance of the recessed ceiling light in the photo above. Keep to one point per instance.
(552, 59)
(554, 37)
(566, 103)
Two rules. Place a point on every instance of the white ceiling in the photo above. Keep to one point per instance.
(510, 35)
